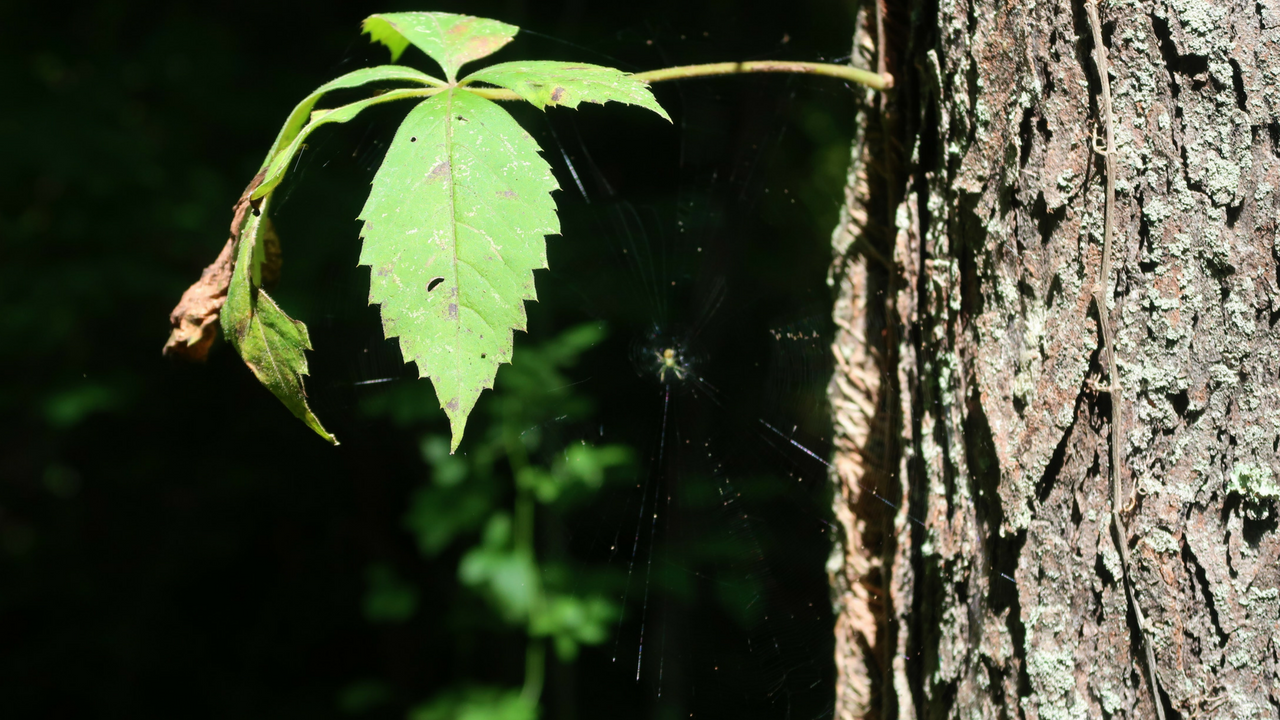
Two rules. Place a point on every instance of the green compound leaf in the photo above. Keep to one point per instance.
(561, 83)
(271, 343)
(451, 40)
(453, 230)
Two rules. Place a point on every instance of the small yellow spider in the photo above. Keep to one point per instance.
(667, 361)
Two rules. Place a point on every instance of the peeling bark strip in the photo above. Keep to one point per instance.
(985, 194)
(854, 393)
(864, 416)
(195, 318)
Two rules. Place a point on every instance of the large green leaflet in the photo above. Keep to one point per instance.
(453, 230)
(451, 40)
(271, 343)
(560, 83)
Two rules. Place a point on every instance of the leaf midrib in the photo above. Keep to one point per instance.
(453, 232)
(262, 335)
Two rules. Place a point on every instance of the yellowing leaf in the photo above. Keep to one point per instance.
(451, 40)
(454, 227)
(560, 83)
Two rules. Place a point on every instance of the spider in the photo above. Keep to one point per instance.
(667, 360)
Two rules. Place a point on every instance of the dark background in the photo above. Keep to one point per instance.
(172, 541)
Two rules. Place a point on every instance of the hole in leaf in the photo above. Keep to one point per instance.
(482, 355)
(434, 282)
(413, 139)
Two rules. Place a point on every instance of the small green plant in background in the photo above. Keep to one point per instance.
(456, 220)
(488, 501)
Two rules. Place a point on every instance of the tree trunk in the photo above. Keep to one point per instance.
(979, 573)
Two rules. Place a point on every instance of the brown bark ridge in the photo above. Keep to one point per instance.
(994, 586)
(854, 570)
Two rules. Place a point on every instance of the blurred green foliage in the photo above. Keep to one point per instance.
(488, 499)
(478, 703)
(389, 598)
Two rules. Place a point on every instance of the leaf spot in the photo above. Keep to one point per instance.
(434, 282)
(452, 405)
(508, 193)
(453, 311)
(439, 171)
(557, 94)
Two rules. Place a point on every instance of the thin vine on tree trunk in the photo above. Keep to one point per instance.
(1109, 350)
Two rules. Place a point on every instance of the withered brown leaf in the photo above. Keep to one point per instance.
(194, 320)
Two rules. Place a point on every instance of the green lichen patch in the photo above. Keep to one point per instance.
(1256, 485)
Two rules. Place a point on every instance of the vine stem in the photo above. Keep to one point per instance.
(535, 660)
(1109, 350)
(523, 543)
(875, 81)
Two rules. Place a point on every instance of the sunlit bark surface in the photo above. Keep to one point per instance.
(970, 390)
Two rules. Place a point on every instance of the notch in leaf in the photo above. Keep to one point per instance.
(451, 40)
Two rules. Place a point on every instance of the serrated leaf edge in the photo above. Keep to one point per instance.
(478, 76)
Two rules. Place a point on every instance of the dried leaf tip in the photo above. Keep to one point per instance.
(195, 319)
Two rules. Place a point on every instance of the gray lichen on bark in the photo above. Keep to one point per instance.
(1006, 598)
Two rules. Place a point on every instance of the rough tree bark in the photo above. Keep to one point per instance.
(972, 389)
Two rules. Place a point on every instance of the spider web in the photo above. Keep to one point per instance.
(719, 253)
(711, 238)
(723, 538)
